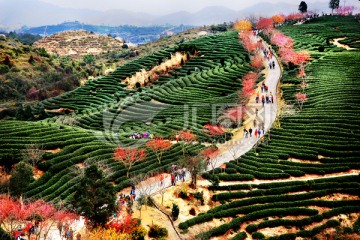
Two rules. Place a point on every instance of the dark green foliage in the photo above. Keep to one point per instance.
(333, 4)
(356, 226)
(251, 228)
(4, 235)
(200, 197)
(175, 212)
(240, 236)
(4, 68)
(20, 179)
(89, 59)
(31, 59)
(192, 212)
(24, 38)
(303, 7)
(183, 195)
(157, 232)
(258, 235)
(95, 197)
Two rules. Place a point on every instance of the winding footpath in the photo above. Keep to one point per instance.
(238, 145)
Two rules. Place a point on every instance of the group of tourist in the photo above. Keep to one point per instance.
(267, 98)
(142, 135)
(127, 199)
(177, 174)
(257, 132)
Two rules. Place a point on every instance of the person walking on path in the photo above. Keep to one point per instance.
(263, 100)
(255, 133)
(259, 132)
(271, 97)
(257, 97)
(273, 64)
(250, 132)
(172, 179)
(245, 133)
(256, 112)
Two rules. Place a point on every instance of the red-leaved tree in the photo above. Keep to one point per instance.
(294, 16)
(248, 85)
(235, 115)
(210, 156)
(265, 23)
(301, 73)
(214, 131)
(158, 146)
(16, 213)
(124, 224)
(300, 99)
(187, 136)
(129, 156)
(301, 57)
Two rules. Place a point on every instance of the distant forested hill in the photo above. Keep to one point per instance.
(129, 33)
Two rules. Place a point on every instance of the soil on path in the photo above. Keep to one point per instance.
(338, 44)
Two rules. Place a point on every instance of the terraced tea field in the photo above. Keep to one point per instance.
(301, 180)
(304, 177)
(107, 113)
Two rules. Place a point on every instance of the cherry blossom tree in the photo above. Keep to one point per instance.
(129, 156)
(287, 55)
(158, 146)
(257, 62)
(248, 43)
(279, 39)
(300, 99)
(344, 10)
(242, 25)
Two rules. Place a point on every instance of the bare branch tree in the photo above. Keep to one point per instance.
(32, 153)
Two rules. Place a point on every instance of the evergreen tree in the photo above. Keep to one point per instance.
(20, 179)
(95, 197)
(303, 7)
(333, 4)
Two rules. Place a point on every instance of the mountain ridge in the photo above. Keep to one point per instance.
(28, 14)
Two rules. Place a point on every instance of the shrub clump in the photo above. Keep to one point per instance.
(157, 232)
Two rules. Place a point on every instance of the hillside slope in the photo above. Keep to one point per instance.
(78, 43)
(279, 190)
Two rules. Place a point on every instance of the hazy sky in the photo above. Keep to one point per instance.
(167, 6)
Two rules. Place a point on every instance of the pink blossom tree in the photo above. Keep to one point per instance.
(257, 62)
